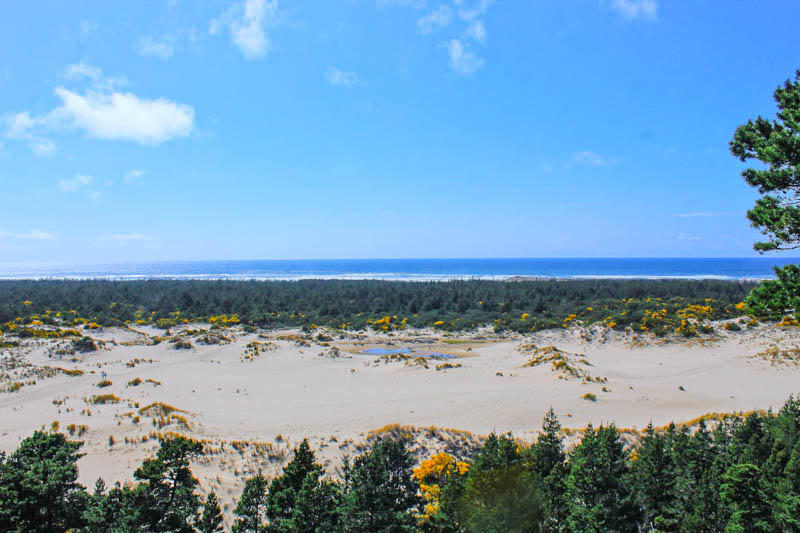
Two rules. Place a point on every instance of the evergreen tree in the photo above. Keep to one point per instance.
(598, 486)
(787, 495)
(39, 491)
(284, 489)
(743, 491)
(775, 143)
(211, 520)
(166, 498)
(548, 461)
(315, 508)
(111, 511)
(500, 493)
(655, 477)
(700, 497)
(381, 494)
(252, 507)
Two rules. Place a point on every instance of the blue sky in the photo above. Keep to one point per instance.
(267, 129)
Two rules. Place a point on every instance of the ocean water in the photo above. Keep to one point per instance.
(414, 269)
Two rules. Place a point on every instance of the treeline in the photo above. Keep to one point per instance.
(743, 475)
(452, 305)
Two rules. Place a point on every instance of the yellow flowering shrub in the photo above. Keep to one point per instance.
(431, 475)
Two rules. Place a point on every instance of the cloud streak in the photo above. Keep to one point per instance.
(699, 214)
(124, 237)
(150, 47)
(435, 20)
(341, 78)
(462, 59)
(463, 28)
(78, 182)
(247, 23)
(34, 235)
(133, 175)
(635, 9)
(591, 159)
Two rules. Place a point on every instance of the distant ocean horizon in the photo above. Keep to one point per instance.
(413, 269)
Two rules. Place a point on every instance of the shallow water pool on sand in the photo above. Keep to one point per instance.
(407, 351)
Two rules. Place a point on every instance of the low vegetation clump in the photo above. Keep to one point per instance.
(566, 365)
(179, 343)
(71, 372)
(77, 429)
(157, 409)
(102, 399)
(254, 349)
(84, 345)
(104, 383)
(780, 357)
(14, 386)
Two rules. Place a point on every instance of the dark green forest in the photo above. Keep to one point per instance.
(455, 305)
(741, 474)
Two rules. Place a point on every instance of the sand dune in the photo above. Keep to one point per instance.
(266, 391)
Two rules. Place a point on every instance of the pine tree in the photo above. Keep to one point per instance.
(656, 480)
(381, 494)
(548, 461)
(743, 490)
(166, 499)
(700, 495)
(211, 520)
(252, 507)
(112, 510)
(39, 491)
(500, 491)
(284, 489)
(315, 508)
(598, 490)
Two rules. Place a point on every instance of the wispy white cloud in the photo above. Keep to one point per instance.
(133, 175)
(163, 48)
(697, 214)
(73, 184)
(42, 146)
(341, 78)
(477, 31)
(124, 237)
(247, 22)
(88, 27)
(20, 127)
(471, 10)
(35, 235)
(635, 9)
(461, 22)
(416, 4)
(436, 19)
(75, 71)
(688, 237)
(462, 59)
(93, 195)
(103, 112)
(589, 158)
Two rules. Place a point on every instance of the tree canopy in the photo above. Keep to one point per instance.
(775, 143)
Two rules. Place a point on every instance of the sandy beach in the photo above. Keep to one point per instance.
(251, 397)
